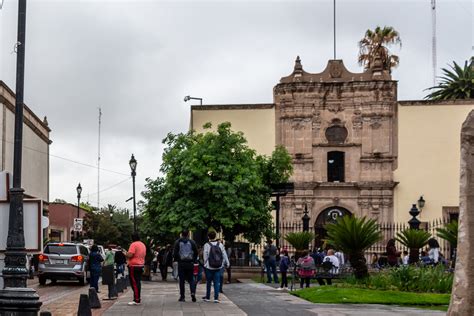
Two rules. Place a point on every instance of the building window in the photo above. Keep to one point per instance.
(335, 166)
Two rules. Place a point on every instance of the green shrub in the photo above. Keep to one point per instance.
(407, 278)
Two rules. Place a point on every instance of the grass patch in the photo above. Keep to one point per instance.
(338, 295)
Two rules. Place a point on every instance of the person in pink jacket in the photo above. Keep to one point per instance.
(306, 269)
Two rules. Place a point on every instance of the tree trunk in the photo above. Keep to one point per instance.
(414, 256)
(359, 265)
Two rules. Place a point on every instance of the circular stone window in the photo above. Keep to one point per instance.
(336, 134)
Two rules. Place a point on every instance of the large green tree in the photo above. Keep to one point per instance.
(214, 179)
(457, 83)
(375, 45)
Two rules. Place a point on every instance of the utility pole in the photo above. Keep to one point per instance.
(98, 162)
(433, 40)
(16, 298)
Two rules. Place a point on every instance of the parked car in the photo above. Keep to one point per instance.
(63, 261)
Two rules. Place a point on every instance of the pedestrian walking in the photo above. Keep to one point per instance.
(215, 259)
(95, 267)
(185, 253)
(120, 261)
(154, 263)
(269, 260)
(284, 265)
(136, 262)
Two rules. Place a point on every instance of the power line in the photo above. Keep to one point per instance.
(111, 187)
(70, 160)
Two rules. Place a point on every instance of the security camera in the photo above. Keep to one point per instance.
(187, 98)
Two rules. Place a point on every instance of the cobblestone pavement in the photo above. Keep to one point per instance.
(262, 300)
(62, 298)
(161, 299)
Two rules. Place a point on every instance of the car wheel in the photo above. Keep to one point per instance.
(82, 280)
(42, 280)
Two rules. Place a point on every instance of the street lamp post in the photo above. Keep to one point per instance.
(414, 222)
(188, 98)
(78, 190)
(133, 167)
(16, 298)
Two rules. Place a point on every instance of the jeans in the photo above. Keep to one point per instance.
(321, 281)
(135, 273)
(304, 280)
(221, 280)
(120, 269)
(94, 282)
(185, 273)
(270, 264)
(213, 276)
(284, 279)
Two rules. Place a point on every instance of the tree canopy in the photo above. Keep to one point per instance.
(214, 180)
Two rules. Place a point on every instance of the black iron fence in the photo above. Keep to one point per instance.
(242, 249)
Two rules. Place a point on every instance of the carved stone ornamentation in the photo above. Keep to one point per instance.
(376, 122)
(335, 70)
(334, 107)
(357, 120)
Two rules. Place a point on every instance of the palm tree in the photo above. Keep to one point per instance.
(414, 239)
(450, 234)
(300, 241)
(373, 46)
(353, 236)
(457, 83)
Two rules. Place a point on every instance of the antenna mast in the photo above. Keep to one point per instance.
(334, 20)
(98, 163)
(433, 39)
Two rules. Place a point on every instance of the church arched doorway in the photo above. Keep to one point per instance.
(328, 215)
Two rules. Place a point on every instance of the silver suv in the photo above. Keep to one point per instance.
(63, 261)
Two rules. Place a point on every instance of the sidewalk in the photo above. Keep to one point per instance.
(161, 299)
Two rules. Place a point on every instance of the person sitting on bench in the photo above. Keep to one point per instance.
(330, 267)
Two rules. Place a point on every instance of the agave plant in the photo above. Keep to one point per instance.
(457, 83)
(353, 236)
(300, 241)
(414, 239)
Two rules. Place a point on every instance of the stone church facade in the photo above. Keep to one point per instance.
(341, 130)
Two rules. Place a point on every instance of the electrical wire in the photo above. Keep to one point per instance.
(70, 160)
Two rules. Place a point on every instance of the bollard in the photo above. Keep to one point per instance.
(126, 282)
(84, 308)
(94, 298)
(112, 289)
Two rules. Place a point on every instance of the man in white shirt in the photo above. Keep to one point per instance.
(330, 257)
(215, 258)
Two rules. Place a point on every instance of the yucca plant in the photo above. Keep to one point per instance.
(414, 239)
(300, 241)
(353, 236)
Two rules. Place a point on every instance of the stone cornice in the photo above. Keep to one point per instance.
(256, 106)
(435, 103)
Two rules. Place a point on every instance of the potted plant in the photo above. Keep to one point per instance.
(413, 239)
(353, 236)
(300, 241)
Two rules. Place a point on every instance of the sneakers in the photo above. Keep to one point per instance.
(280, 288)
(181, 299)
(205, 299)
(193, 298)
(133, 303)
(217, 301)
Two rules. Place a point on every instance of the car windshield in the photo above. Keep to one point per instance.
(61, 250)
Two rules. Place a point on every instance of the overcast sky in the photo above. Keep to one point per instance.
(138, 59)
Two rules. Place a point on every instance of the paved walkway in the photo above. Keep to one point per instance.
(247, 298)
(262, 300)
(161, 299)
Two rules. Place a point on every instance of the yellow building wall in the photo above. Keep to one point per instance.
(428, 157)
(258, 125)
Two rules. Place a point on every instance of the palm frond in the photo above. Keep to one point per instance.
(449, 233)
(413, 238)
(300, 240)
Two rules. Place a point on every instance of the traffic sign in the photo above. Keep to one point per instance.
(78, 224)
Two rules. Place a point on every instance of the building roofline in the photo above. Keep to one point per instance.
(253, 106)
(67, 203)
(434, 103)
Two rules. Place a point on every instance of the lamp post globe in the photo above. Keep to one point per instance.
(133, 167)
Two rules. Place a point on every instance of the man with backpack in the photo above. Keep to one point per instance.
(215, 258)
(185, 253)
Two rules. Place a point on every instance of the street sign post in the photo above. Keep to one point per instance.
(78, 224)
